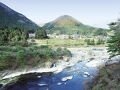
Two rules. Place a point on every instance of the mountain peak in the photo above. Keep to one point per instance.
(65, 21)
(66, 16)
(68, 25)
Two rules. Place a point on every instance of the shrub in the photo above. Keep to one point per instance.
(90, 42)
(67, 52)
(29, 56)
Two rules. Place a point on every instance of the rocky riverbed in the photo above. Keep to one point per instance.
(79, 54)
(83, 61)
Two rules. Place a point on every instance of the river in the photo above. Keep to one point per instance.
(71, 78)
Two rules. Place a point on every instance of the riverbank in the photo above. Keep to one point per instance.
(79, 54)
(91, 57)
(55, 67)
(18, 60)
(107, 79)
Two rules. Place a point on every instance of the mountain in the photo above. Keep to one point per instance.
(68, 25)
(11, 18)
(65, 21)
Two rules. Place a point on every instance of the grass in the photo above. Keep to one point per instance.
(57, 42)
(108, 78)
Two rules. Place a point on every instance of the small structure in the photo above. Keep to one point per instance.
(31, 35)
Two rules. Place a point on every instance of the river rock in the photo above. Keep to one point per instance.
(115, 59)
(59, 83)
(67, 78)
(42, 84)
(86, 74)
(1, 85)
(53, 65)
(94, 63)
(39, 76)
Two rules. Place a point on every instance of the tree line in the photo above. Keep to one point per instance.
(93, 42)
(14, 36)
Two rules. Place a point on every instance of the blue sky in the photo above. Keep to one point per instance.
(97, 13)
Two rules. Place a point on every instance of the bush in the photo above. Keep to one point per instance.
(59, 51)
(18, 56)
(67, 52)
(5, 48)
(5, 60)
(100, 41)
(90, 42)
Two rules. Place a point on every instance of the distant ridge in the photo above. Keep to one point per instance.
(11, 18)
(68, 25)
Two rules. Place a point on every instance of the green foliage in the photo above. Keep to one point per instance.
(40, 34)
(67, 52)
(59, 52)
(32, 40)
(114, 41)
(18, 56)
(63, 52)
(11, 18)
(100, 32)
(90, 42)
(12, 36)
(5, 60)
(107, 79)
(68, 25)
(100, 41)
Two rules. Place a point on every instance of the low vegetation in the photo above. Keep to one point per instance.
(19, 57)
(94, 41)
(108, 78)
(57, 42)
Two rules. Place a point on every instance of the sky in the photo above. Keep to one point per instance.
(96, 13)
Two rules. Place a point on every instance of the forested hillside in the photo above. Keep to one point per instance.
(10, 18)
(69, 25)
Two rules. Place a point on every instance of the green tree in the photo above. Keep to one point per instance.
(40, 34)
(100, 41)
(114, 41)
(101, 32)
(12, 35)
(90, 42)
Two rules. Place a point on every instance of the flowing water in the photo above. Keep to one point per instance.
(79, 75)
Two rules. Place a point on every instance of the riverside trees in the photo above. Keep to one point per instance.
(13, 36)
(40, 34)
(114, 41)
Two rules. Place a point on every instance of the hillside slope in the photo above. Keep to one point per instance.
(11, 18)
(69, 25)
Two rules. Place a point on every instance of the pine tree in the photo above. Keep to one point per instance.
(114, 41)
(14, 35)
(92, 42)
(100, 41)
(40, 34)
